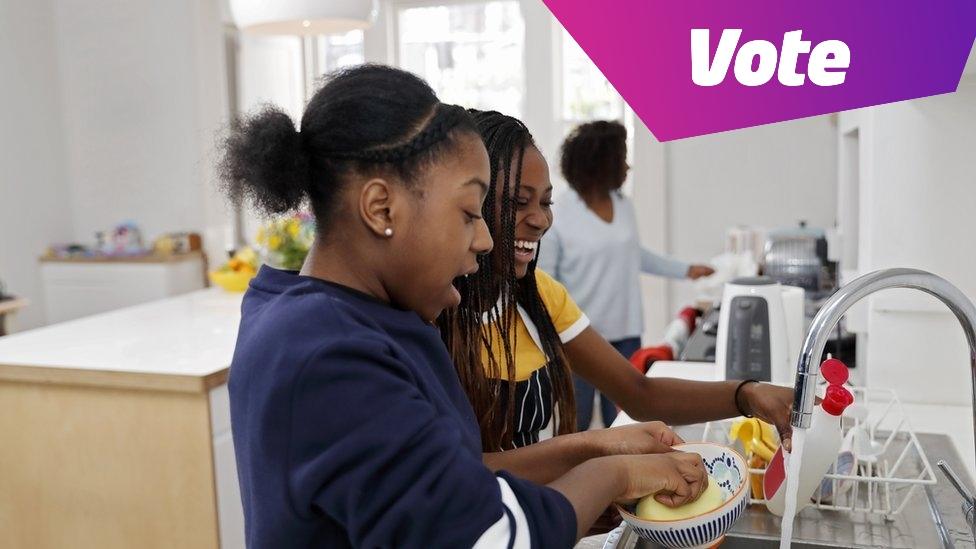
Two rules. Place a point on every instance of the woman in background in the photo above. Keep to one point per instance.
(593, 249)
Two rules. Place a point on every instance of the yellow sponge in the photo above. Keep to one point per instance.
(712, 498)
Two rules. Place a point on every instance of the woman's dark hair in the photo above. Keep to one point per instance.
(496, 292)
(594, 157)
(366, 119)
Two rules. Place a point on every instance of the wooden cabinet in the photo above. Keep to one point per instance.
(115, 431)
(8, 307)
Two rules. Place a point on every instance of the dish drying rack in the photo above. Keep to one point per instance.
(883, 487)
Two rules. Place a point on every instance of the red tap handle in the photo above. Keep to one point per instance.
(834, 371)
(836, 400)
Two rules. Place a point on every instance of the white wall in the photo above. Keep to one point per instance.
(541, 82)
(143, 92)
(111, 112)
(269, 72)
(919, 180)
(770, 176)
(33, 195)
(649, 193)
(211, 115)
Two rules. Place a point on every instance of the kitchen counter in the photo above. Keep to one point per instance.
(182, 343)
(116, 429)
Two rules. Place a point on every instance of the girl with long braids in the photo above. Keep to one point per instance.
(350, 427)
(518, 337)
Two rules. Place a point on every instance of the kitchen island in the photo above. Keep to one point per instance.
(116, 429)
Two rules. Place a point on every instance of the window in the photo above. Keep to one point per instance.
(284, 70)
(336, 51)
(470, 53)
(587, 95)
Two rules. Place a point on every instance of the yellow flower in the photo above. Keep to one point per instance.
(274, 242)
(293, 227)
(262, 237)
(247, 255)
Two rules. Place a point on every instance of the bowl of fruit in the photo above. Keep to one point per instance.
(237, 272)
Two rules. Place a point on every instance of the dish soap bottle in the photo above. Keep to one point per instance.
(823, 441)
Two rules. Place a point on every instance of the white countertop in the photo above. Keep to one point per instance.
(189, 336)
(954, 421)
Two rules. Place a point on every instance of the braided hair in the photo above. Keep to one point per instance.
(366, 120)
(496, 292)
(594, 157)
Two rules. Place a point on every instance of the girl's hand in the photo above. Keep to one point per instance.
(674, 478)
(772, 404)
(652, 437)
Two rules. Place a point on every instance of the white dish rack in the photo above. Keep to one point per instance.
(883, 487)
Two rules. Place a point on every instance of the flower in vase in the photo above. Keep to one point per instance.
(286, 241)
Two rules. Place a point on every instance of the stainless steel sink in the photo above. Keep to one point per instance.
(932, 518)
(734, 542)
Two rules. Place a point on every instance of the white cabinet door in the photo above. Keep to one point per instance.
(230, 512)
(75, 290)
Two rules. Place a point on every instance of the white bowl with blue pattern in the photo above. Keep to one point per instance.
(729, 470)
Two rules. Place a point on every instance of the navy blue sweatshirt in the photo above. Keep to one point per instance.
(352, 430)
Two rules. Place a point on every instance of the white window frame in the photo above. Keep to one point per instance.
(394, 24)
(397, 5)
(322, 44)
(565, 124)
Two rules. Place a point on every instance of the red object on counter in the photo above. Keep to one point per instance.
(690, 316)
(674, 340)
(643, 358)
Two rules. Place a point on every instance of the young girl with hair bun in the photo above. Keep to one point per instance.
(350, 426)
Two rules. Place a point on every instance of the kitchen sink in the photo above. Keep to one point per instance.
(733, 542)
(932, 519)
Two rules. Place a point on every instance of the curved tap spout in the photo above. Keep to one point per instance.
(808, 365)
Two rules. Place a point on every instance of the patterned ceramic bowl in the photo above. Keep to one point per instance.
(729, 470)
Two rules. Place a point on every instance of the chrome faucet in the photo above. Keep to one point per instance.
(969, 502)
(808, 365)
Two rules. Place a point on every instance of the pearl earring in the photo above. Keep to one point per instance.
(388, 231)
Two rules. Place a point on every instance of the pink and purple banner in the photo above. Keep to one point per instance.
(691, 68)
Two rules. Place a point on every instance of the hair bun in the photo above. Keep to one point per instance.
(265, 162)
